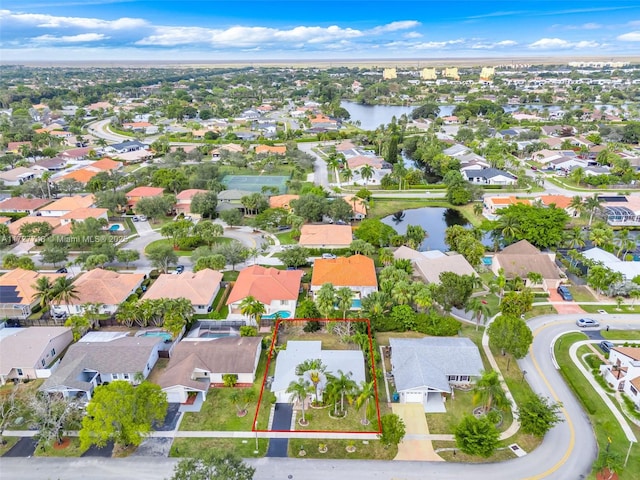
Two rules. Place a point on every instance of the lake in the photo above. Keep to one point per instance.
(434, 221)
(372, 116)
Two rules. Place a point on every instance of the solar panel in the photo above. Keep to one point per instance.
(9, 294)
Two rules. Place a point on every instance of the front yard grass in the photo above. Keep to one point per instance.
(337, 449)
(73, 450)
(9, 443)
(286, 238)
(381, 207)
(613, 309)
(319, 420)
(582, 294)
(196, 447)
(604, 423)
(621, 334)
(540, 310)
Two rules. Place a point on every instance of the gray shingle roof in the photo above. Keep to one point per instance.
(427, 362)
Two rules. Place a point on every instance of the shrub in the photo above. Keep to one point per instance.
(154, 274)
(248, 331)
(189, 243)
(436, 325)
(312, 326)
(230, 379)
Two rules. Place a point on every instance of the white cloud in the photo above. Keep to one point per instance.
(436, 45)
(490, 46)
(412, 35)
(630, 37)
(83, 37)
(395, 26)
(584, 26)
(51, 21)
(560, 44)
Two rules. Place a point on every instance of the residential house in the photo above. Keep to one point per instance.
(76, 154)
(184, 198)
(22, 204)
(134, 196)
(14, 227)
(199, 364)
(356, 272)
(143, 127)
(199, 288)
(429, 265)
(232, 196)
(358, 205)
(17, 293)
(106, 288)
(622, 372)
(457, 150)
(298, 351)
(277, 290)
(522, 258)
(282, 201)
(54, 164)
(621, 210)
(325, 236)
(19, 175)
(492, 205)
(81, 214)
(99, 358)
(14, 147)
(490, 176)
(426, 369)
(65, 205)
(128, 146)
(274, 150)
(28, 353)
(567, 163)
(135, 156)
(628, 269)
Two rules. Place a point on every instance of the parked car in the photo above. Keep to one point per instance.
(329, 256)
(606, 346)
(564, 292)
(534, 168)
(587, 322)
(62, 270)
(180, 269)
(136, 218)
(142, 218)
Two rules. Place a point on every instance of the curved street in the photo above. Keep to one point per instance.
(567, 452)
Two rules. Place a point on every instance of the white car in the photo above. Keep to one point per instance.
(603, 312)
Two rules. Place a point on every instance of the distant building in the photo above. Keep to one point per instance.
(389, 74)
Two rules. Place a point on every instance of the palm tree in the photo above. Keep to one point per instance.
(489, 392)
(347, 175)
(621, 240)
(342, 385)
(401, 293)
(326, 299)
(252, 308)
(385, 256)
(64, 292)
(534, 278)
(422, 297)
(477, 208)
(127, 313)
(479, 308)
(399, 172)
(334, 164)
(635, 295)
(44, 292)
(576, 204)
(509, 227)
(344, 297)
(575, 238)
(366, 172)
(601, 237)
(300, 389)
(592, 205)
(365, 398)
(500, 282)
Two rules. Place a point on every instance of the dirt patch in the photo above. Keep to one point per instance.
(605, 474)
(66, 441)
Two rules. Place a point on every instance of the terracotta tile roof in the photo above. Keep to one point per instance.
(62, 229)
(76, 152)
(84, 213)
(14, 228)
(266, 284)
(560, 201)
(282, 201)
(508, 200)
(198, 287)
(326, 235)
(105, 164)
(82, 175)
(71, 203)
(105, 286)
(277, 149)
(357, 271)
(24, 280)
(356, 204)
(140, 192)
(631, 352)
(361, 160)
(21, 203)
(5, 220)
(636, 382)
(189, 194)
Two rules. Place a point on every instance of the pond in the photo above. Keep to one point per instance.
(372, 116)
(434, 220)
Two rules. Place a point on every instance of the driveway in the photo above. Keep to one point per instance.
(282, 414)
(561, 306)
(23, 448)
(415, 423)
(154, 447)
(171, 419)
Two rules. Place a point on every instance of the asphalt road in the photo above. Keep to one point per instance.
(320, 173)
(567, 452)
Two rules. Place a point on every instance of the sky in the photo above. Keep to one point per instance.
(187, 30)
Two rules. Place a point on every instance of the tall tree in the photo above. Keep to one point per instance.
(477, 436)
(488, 391)
(300, 390)
(538, 415)
(252, 308)
(213, 465)
(64, 292)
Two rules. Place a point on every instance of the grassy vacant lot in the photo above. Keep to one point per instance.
(242, 447)
(293, 331)
(621, 334)
(603, 421)
(373, 450)
(220, 413)
(380, 207)
(320, 420)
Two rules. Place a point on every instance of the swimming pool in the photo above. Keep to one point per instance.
(356, 304)
(487, 261)
(280, 314)
(115, 227)
(210, 334)
(167, 336)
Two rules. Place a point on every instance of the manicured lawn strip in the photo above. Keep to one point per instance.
(10, 442)
(621, 334)
(613, 309)
(604, 423)
(582, 294)
(73, 450)
(445, 423)
(230, 275)
(336, 449)
(219, 412)
(196, 447)
(320, 420)
(539, 310)
(381, 207)
(286, 238)
(169, 242)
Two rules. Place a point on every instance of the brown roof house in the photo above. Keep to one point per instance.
(200, 363)
(277, 290)
(17, 294)
(522, 258)
(356, 272)
(101, 357)
(325, 236)
(65, 205)
(184, 198)
(142, 192)
(105, 287)
(199, 288)
(23, 205)
(28, 353)
(429, 265)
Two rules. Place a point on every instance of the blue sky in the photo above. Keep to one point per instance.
(263, 30)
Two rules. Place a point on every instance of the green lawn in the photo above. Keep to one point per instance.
(319, 419)
(613, 309)
(230, 275)
(540, 310)
(582, 294)
(169, 242)
(604, 423)
(286, 238)
(380, 207)
(9, 442)
(336, 449)
(457, 408)
(73, 450)
(195, 447)
(621, 334)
